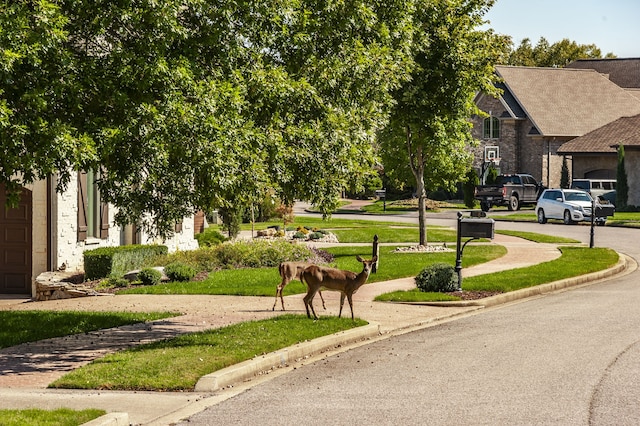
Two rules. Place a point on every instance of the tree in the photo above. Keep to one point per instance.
(429, 131)
(543, 54)
(37, 74)
(469, 187)
(622, 187)
(184, 105)
(564, 174)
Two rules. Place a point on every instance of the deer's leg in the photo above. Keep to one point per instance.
(308, 303)
(322, 298)
(350, 299)
(279, 293)
(341, 304)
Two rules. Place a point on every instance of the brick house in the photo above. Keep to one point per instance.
(596, 152)
(541, 109)
(49, 230)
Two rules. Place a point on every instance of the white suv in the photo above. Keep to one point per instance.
(569, 205)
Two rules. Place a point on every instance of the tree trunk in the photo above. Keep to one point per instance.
(416, 161)
(422, 214)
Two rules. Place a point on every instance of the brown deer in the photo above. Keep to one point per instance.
(346, 282)
(288, 272)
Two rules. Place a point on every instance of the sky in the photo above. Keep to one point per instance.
(612, 25)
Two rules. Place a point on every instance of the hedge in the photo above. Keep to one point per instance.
(107, 262)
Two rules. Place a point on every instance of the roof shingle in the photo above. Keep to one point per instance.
(567, 102)
(623, 131)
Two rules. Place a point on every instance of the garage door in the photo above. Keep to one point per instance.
(15, 245)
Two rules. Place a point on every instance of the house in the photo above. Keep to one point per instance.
(541, 109)
(49, 231)
(596, 151)
(625, 72)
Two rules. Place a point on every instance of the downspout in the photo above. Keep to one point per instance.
(52, 224)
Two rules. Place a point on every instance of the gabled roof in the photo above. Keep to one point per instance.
(624, 131)
(625, 72)
(567, 102)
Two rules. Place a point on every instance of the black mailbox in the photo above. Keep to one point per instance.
(476, 228)
(605, 210)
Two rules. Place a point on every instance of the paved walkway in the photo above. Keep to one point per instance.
(26, 370)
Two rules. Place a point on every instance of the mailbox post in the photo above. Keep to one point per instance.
(599, 211)
(476, 226)
(382, 194)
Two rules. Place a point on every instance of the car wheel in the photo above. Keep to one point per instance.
(567, 218)
(514, 203)
(542, 219)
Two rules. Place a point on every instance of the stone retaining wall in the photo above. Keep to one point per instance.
(56, 285)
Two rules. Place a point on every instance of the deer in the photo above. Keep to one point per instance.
(346, 282)
(288, 272)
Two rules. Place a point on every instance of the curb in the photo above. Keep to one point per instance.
(247, 369)
(110, 419)
(624, 263)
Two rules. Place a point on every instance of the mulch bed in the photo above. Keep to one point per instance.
(474, 295)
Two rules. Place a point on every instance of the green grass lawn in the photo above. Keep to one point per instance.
(263, 281)
(573, 262)
(177, 364)
(628, 219)
(29, 326)
(37, 417)
(538, 238)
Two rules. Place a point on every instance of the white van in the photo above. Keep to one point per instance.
(604, 189)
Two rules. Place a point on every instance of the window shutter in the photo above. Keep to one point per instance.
(82, 206)
(178, 227)
(104, 221)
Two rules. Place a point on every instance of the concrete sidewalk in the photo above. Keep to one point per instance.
(27, 369)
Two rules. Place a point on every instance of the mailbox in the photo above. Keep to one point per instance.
(477, 228)
(605, 210)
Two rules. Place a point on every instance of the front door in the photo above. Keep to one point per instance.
(15, 245)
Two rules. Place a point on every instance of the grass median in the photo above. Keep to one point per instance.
(177, 364)
(38, 417)
(574, 261)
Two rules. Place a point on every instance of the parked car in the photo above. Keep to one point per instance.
(603, 189)
(568, 205)
(512, 191)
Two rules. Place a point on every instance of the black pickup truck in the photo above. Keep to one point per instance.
(512, 191)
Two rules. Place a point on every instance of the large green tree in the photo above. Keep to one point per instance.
(189, 104)
(429, 132)
(544, 54)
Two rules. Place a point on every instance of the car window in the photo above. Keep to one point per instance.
(577, 196)
(581, 184)
(551, 195)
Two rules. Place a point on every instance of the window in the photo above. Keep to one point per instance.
(491, 128)
(93, 214)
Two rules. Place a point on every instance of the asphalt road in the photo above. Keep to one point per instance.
(565, 358)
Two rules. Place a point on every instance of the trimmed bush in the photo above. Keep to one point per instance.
(106, 262)
(210, 237)
(439, 277)
(179, 271)
(150, 276)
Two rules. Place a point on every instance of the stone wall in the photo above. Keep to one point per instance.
(61, 285)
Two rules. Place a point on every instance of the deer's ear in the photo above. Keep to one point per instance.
(375, 259)
(359, 258)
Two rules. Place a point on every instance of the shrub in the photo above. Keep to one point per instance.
(177, 271)
(300, 236)
(210, 237)
(439, 277)
(316, 235)
(113, 282)
(106, 262)
(150, 276)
